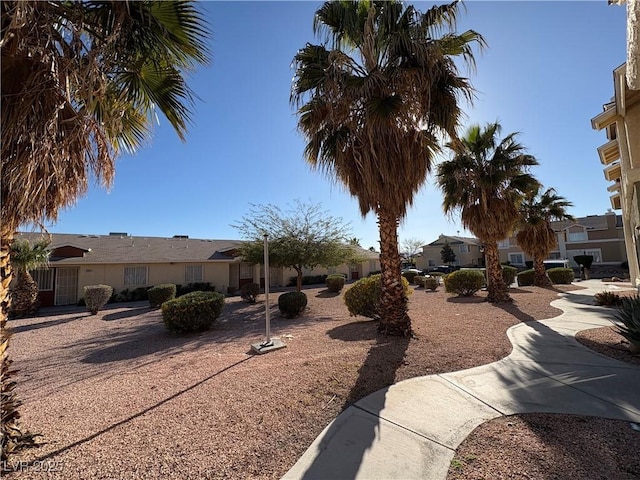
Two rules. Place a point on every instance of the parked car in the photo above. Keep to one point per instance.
(441, 269)
(411, 270)
(556, 264)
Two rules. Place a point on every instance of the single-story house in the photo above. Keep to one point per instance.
(129, 262)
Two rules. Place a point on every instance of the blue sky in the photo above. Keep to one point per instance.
(546, 72)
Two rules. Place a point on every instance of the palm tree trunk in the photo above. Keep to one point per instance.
(540, 278)
(394, 319)
(24, 297)
(497, 289)
(13, 436)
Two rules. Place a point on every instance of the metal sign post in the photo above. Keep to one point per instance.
(269, 344)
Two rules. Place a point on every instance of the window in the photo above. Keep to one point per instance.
(246, 270)
(193, 273)
(516, 258)
(504, 243)
(554, 256)
(43, 277)
(464, 249)
(432, 263)
(135, 276)
(578, 237)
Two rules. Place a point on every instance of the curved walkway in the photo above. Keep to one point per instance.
(412, 429)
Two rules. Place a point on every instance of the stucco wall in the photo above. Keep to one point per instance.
(217, 274)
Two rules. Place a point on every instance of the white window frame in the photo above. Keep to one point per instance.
(519, 256)
(43, 278)
(134, 276)
(193, 273)
(464, 248)
(504, 244)
(576, 237)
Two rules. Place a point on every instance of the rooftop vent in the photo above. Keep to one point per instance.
(181, 236)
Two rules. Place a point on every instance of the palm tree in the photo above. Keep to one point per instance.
(486, 180)
(25, 257)
(534, 233)
(81, 82)
(373, 107)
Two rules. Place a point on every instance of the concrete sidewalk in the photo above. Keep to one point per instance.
(412, 429)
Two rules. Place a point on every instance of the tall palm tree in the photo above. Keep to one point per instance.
(81, 82)
(372, 108)
(534, 233)
(26, 256)
(486, 180)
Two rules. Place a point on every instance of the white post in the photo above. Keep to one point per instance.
(266, 289)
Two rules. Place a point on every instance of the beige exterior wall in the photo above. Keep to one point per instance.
(217, 274)
(620, 119)
(431, 255)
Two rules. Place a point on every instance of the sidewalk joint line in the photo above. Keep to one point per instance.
(403, 427)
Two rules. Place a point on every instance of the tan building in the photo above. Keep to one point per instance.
(127, 262)
(620, 156)
(598, 235)
(468, 251)
(601, 236)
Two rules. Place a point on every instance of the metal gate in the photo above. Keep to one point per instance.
(66, 286)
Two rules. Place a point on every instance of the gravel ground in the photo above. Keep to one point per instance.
(116, 396)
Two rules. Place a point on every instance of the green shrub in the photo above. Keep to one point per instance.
(464, 282)
(431, 283)
(160, 294)
(292, 304)
(419, 280)
(363, 296)
(335, 282)
(249, 292)
(410, 276)
(194, 287)
(137, 295)
(628, 315)
(608, 299)
(96, 297)
(308, 280)
(526, 277)
(192, 312)
(561, 275)
(509, 274)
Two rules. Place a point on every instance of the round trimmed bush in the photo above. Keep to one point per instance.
(410, 276)
(363, 296)
(464, 282)
(526, 277)
(249, 292)
(419, 280)
(509, 274)
(292, 304)
(193, 312)
(96, 297)
(561, 275)
(161, 293)
(334, 282)
(431, 283)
